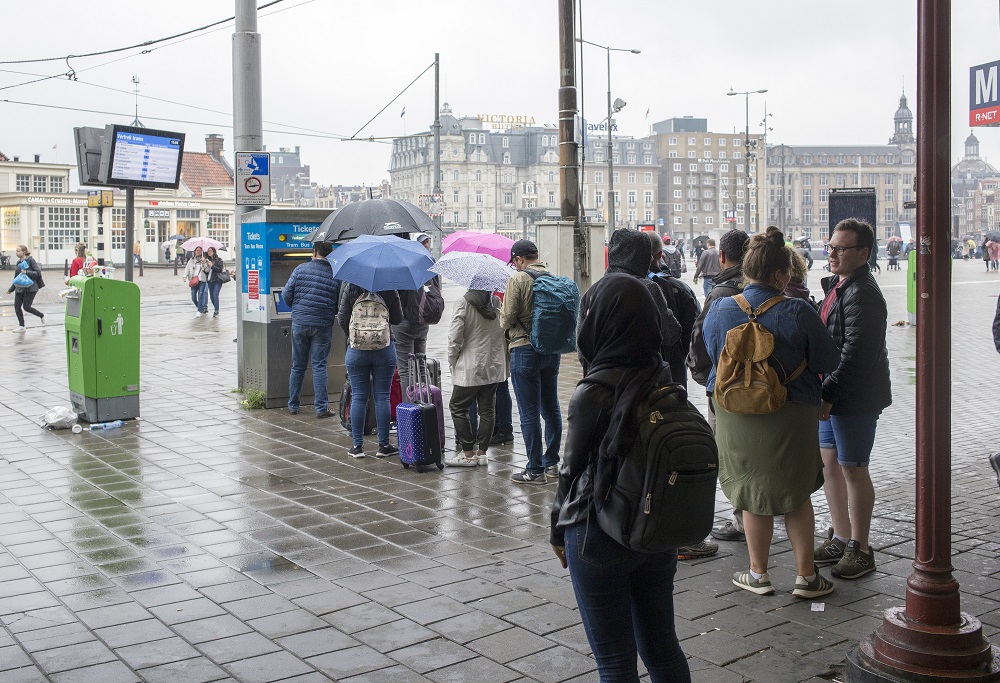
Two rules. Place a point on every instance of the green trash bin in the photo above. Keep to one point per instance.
(102, 348)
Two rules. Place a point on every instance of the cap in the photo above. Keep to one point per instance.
(666, 239)
(522, 248)
(422, 237)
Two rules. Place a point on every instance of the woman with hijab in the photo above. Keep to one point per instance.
(770, 464)
(625, 597)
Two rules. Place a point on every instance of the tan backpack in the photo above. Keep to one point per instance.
(745, 382)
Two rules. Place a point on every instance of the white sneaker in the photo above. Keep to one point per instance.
(20, 328)
(461, 461)
(197, 314)
(43, 321)
(482, 460)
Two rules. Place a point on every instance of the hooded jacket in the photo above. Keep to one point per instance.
(476, 353)
(857, 321)
(727, 283)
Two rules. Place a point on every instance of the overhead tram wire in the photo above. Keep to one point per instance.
(137, 45)
(400, 94)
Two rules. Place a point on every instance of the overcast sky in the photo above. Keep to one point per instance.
(834, 71)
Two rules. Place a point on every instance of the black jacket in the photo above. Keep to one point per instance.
(684, 305)
(727, 283)
(590, 411)
(857, 321)
(34, 271)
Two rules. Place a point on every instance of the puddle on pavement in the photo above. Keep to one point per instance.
(272, 565)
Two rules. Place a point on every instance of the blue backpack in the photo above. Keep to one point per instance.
(556, 307)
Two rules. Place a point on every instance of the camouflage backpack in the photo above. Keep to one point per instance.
(369, 327)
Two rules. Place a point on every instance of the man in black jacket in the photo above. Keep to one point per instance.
(681, 301)
(854, 396)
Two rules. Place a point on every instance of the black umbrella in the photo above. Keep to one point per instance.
(993, 235)
(373, 217)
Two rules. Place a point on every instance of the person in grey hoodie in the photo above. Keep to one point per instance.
(477, 357)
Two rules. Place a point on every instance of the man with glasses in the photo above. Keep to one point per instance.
(854, 396)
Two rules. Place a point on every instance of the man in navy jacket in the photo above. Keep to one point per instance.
(312, 294)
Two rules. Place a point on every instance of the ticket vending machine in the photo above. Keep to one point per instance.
(273, 243)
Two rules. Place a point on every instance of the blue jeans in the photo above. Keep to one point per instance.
(199, 296)
(706, 284)
(626, 602)
(310, 345)
(504, 419)
(535, 377)
(213, 293)
(362, 368)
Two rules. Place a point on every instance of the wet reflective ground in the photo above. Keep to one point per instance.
(205, 542)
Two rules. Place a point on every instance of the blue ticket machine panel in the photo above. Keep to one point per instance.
(273, 243)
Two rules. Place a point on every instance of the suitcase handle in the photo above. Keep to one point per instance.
(414, 364)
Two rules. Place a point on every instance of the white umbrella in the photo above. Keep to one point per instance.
(203, 242)
(475, 271)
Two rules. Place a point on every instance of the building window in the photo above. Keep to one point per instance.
(508, 198)
(506, 156)
(631, 197)
(672, 141)
(890, 178)
(709, 168)
(38, 183)
(479, 197)
(890, 216)
(479, 218)
(62, 227)
(907, 179)
(807, 179)
(454, 217)
(873, 159)
(709, 220)
(678, 193)
(482, 138)
(855, 179)
(692, 141)
(630, 158)
(739, 194)
(840, 180)
(615, 158)
(672, 154)
(722, 155)
(678, 207)
(598, 157)
(598, 198)
(677, 220)
(508, 218)
(694, 220)
(823, 215)
(56, 184)
(647, 216)
(722, 142)
(614, 176)
(692, 168)
(188, 214)
(552, 176)
(472, 138)
(677, 167)
(807, 159)
(118, 229)
(823, 194)
(218, 228)
(889, 194)
(10, 218)
(23, 183)
(737, 142)
(807, 196)
(873, 178)
(598, 177)
(631, 177)
(723, 168)
(807, 214)
(647, 198)
(552, 198)
(505, 142)
(824, 179)
(692, 180)
(629, 145)
(647, 158)
(692, 154)
(454, 176)
(840, 159)
(890, 159)
(479, 176)
(454, 196)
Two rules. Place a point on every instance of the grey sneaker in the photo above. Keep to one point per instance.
(553, 472)
(386, 451)
(816, 588)
(728, 532)
(830, 551)
(761, 586)
(855, 563)
(697, 550)
(527, 477)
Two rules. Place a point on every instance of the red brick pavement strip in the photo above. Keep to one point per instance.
(204, 542)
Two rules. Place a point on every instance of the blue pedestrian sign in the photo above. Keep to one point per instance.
(253, 179)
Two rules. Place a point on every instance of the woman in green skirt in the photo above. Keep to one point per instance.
(769, 464)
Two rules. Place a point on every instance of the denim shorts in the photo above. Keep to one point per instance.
(852, 436)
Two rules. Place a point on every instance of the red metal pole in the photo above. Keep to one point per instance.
(931, 639)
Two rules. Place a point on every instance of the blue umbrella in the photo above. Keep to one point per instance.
(382, 262)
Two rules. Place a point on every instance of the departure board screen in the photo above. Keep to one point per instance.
(142, 157)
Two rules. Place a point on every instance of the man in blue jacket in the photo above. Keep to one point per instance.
(312, 294)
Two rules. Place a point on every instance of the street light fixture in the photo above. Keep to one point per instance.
(749, 147)
(613, 108)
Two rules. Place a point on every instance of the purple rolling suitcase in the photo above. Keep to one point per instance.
(417, 426)
(419, 368)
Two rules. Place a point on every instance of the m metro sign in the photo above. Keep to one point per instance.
(984, 102)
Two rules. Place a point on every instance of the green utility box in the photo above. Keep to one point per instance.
(102, 348)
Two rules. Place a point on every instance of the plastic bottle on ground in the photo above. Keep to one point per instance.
(106, 425)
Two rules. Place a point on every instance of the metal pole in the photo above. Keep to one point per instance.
(746, 205)
(569, 169)
(129, 232)
(437, 151)
(248, 130)
(611, 168)
(931, 639)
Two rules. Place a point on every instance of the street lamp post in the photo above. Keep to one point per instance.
(749, 147)
(613, 108)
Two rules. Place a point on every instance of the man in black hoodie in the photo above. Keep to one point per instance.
(729, 282)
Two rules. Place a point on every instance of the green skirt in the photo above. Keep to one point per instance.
(769, 464)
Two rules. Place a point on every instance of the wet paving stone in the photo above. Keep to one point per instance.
(352, 661)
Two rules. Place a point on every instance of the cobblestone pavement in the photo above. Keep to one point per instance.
(205, 542)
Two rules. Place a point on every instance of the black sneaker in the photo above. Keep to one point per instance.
(357, 452)
(386, 451)
(501, 438)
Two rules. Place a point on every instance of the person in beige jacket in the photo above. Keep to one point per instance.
(478, 362)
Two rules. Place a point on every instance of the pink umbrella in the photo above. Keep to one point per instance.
(478, 243)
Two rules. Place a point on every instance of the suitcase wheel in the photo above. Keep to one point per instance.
(440, 465)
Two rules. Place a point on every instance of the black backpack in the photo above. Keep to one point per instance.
(674, 263)
(664, 495)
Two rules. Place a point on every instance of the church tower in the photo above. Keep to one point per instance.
(903, 121)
